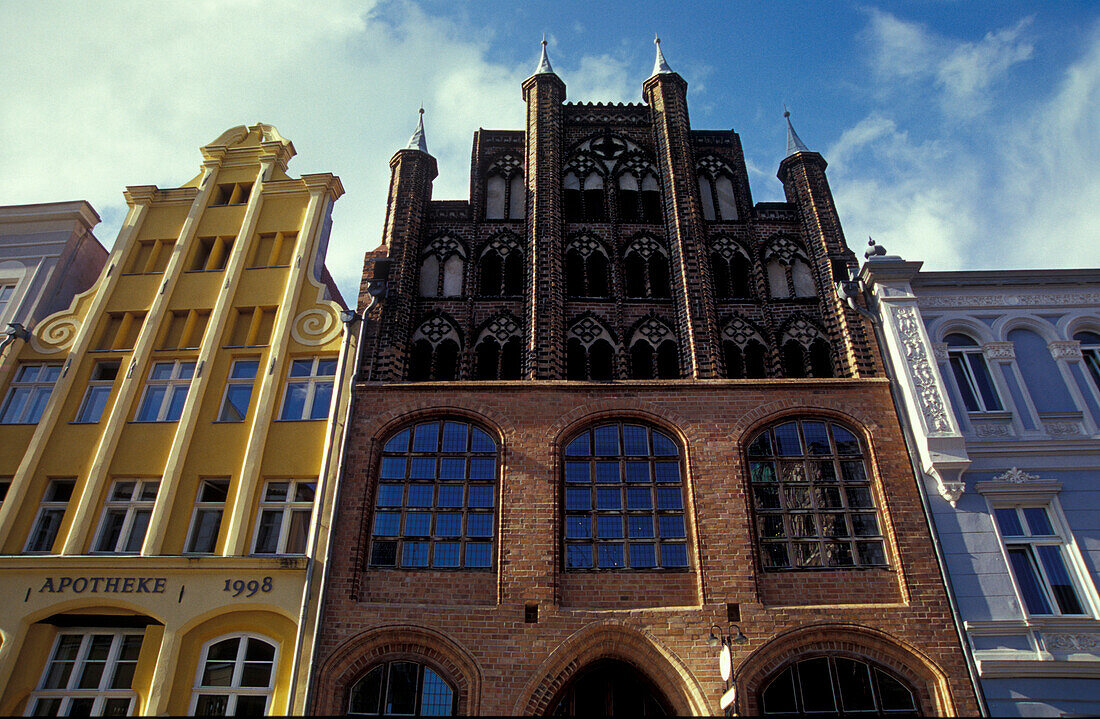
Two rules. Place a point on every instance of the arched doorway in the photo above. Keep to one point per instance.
(610, 687)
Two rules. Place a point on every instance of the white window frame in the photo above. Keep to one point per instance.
(102, 693)
(1090, 357)
(1062, 538)
(965, 355)
(312, 381)
(201, 507)
(7, 292)
(34, 388)
(235, 690)
(174, 381)
(51, 507)
(96, 386)
(233, 381)
(131, 507)
(286, 509)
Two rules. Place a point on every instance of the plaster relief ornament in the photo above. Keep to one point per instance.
(932, 406)
(999, 350)
(1070, 350)
(54, 334)
(1016, 476)
(315, 327)
(1072, 641)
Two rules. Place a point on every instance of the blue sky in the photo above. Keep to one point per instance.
(963, 134)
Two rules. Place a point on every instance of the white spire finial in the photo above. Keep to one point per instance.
(794, 142)
(660, 67)
(544, 61)
(418, 141)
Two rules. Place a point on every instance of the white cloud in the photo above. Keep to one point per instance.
(964, 73)
(104, 95)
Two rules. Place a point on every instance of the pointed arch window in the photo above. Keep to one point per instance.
(583, 194)
(435, 351)
(732, 270)
(645, 265)
(402, 688)
(590, 351)
(788, 269)
(587, 269)
(814, 505)
(835, 686)
(971, 373)
(624, 500)
(505, 194)
(435, 498)
(441, 268)
(500, 267)
(744, 350)
(654, 353)
(498, 353)
(716, 190)
(639, 201)
(805, 352)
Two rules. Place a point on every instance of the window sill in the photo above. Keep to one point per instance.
(989, 414)
(267, 267)
(318, 419)
(628, 570)
(480, 570)
(800, 570)
(17, 424)
(78, 423)
(153, 421)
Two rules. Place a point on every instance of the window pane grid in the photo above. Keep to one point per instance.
(1036, 555)
(88, 673)
(813, 500)
(435, 503)
(308, 392)
(284, 518)
(28, 393)
(623, 499)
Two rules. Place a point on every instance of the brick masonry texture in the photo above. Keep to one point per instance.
(469, 625)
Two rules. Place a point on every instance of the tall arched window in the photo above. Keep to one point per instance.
(441, 268)
(434, 352)
(587, 269)
(716, 189)
(402, 688)
(654, 353)
(645, 266)
(505, 194)
(812, 494)
(1090, 352)
(434, 502)
(498, 351)
(583, 190)
(236, 677)
(732, 270)
(590, 351)
(639, 202)
(837, 685)
(805, 352)
(651, 200)
(501, 267)
(789, 272)
(975, 385)
(745, 353)
(624, 499)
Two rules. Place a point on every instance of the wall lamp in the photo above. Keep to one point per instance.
(726, 638)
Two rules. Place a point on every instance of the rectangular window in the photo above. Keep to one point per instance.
(6, 292)
(974, 382)
(207, 519)
(251, 327)
(183, 330)
(273, 249)
(211, 253)
(119, 331)
(29, 392)
(50, 514)
(99, 390)
(150, 257)
(90, 673)
(165, 392)
(5, 485)
(238, 390)
(231, 193)
(283, 524)
(1038, 555)
(309, 388)
(126, 516)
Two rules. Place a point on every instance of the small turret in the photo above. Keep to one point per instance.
(544, 62)
(418, 141)
(660, 67)
(794, 142)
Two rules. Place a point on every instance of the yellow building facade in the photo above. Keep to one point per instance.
(169, 446)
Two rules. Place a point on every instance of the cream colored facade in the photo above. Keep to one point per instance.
(210, 288)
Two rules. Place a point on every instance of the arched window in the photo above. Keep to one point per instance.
(744, 350)
(639, 203)
(975, 385)
(587, 270)
(803, 279)
(805, 351)
(654, 353)
(434, 352)
(505, 194)
(583, 190)
(732, 270)
(624, 499)
(590, 351)
(629, 199)
(789, 273)
(501, 267)
(836, 685)
(498, 350)
(645, 266)
(402, 688)
(651, 200)
(1090, 352)
(777, 280)
(236, 677)
(813, 500)
(716, 189)
(441, 268)
(434, 501)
